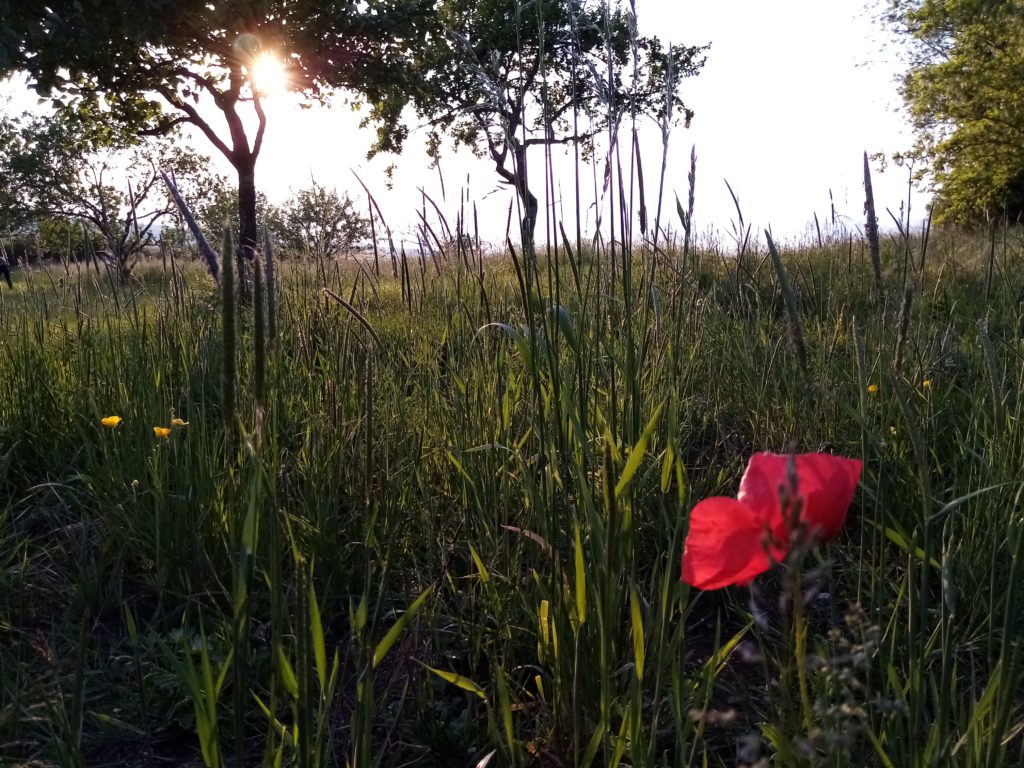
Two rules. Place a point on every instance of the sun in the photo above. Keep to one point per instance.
(268, 75)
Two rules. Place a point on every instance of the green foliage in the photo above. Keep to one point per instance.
(216, 204)
(320, 222)
(964, 93)
(500, 76)
(67, 171)
(146, 66)
(13, 216)
(56, 234)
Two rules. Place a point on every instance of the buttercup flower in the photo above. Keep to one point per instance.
(733, 540)
(179, 423)
(872, 389)
(110, 421)
(926, 384)
(161, 431)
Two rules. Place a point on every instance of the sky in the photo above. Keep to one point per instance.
(792, 95)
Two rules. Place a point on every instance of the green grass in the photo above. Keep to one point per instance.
(433, 541)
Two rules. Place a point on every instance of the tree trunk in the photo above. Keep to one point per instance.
(531, 209)
(529, 200)
(247, 234)
(123, 259)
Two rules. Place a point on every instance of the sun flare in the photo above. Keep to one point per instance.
(268, 75)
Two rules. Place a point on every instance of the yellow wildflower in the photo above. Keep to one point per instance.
(161, 431)
(110, 421)
(926, 384)
(892, 431)
(872, 389)
(179, 423)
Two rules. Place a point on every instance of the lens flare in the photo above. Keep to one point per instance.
(268, 75)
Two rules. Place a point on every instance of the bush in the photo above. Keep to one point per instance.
(320, 222)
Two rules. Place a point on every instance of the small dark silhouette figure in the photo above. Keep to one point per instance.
(5, 271)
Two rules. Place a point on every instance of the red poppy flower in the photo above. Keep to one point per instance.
(733, 540)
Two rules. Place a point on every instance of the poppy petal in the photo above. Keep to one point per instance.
(759, 489)
(725, 544)
(825, 482)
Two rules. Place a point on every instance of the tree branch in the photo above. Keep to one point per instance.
(196, 119)
(257, 143)
(164, 126)
(564, 140)
(195, 77)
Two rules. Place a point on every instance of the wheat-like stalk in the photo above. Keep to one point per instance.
(871, 228)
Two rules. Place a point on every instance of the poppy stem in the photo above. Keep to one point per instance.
(800, 651)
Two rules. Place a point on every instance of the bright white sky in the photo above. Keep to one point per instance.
(792, 95)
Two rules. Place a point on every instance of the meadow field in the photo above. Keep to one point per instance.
(435, 516)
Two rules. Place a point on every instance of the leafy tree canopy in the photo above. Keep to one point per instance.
(964, 94)
(13, 216)
(321, 222)
(61, 170)
(500, 76)
(147, 65)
